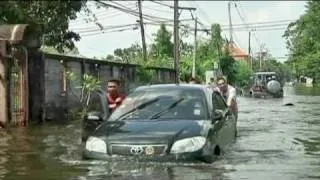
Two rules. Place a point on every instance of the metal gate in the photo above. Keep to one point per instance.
(18, 89)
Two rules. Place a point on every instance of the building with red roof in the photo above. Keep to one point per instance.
(238, 54)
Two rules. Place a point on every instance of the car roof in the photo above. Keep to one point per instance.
(175, 86)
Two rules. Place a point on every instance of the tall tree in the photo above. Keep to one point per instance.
(229, 68)
(50, 18)
(226, 62)
(205, 58)
(216, 42)
(162, 43)
(303, 42)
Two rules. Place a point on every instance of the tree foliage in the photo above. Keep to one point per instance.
(303, 42)
(160, 54)
(216, 42)
(229, 68)
(162, 43)
(52, 50)
(243, 74)
(49, 18)
(282, 69)
(129, 54)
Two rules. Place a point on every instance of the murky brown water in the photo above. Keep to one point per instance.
(275, 142)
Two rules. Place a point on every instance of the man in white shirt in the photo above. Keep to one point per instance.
(229, 93)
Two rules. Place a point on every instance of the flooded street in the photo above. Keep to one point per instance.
(274, 142)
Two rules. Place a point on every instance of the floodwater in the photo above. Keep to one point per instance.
(274, 142)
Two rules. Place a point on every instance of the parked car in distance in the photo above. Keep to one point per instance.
(186, 121)
(266, 84)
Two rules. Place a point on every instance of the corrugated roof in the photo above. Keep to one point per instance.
(12, 32)
(237, 52)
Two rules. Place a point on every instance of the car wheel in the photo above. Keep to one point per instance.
(236, 131)
(213, 157)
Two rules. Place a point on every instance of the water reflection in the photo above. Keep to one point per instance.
(141, 171)
(274, 142)
(307, 91)
(4, 144)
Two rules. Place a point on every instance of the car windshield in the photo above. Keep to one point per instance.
(162, 103)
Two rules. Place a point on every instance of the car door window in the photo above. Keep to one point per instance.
(95, 103)
(218, 102)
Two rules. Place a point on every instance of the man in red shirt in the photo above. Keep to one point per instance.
(114, 97)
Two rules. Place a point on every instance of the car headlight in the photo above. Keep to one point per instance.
(96, 145)
(188, 144)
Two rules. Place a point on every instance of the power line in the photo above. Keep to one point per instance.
(206, 16)
(180, 7)
(180, 20)
(158, 23)
(84, 30)
(88, 30)
(162, 4)
(87, 22)
(256, 28)
(126, 7)
(267, 22)
(243, 20)
(103, 13)
(119, 30)
(129, 11)
(154, 9)
(264, 22)
(261, 45)
(144, 15)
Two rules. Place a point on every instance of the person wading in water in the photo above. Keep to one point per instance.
(114, 97)
(229, 93)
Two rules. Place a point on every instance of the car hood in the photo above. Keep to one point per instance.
(151, 130)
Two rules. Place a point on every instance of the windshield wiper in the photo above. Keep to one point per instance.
(158, 114)
(140, 106)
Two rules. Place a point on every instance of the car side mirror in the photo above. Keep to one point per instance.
(92, 121)
(218, 114)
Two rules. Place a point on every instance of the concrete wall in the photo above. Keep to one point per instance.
(57, 103)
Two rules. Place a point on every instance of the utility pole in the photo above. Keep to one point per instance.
(249, 49)
(194, 48)
(144, 47)
(230, 23)
(260, 56)
(176, 40)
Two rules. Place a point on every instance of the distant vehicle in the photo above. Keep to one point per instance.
(165, 121)
(266, 84)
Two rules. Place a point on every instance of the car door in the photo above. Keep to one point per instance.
(97, 106)
(223, 126)
(98, 103)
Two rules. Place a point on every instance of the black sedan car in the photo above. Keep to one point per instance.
(169, 121)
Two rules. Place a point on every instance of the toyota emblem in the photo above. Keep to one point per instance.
(136, 150)
(149, 150)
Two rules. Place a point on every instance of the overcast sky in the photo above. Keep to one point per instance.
(96, 43)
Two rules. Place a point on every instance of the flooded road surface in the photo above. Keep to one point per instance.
(274, 142)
